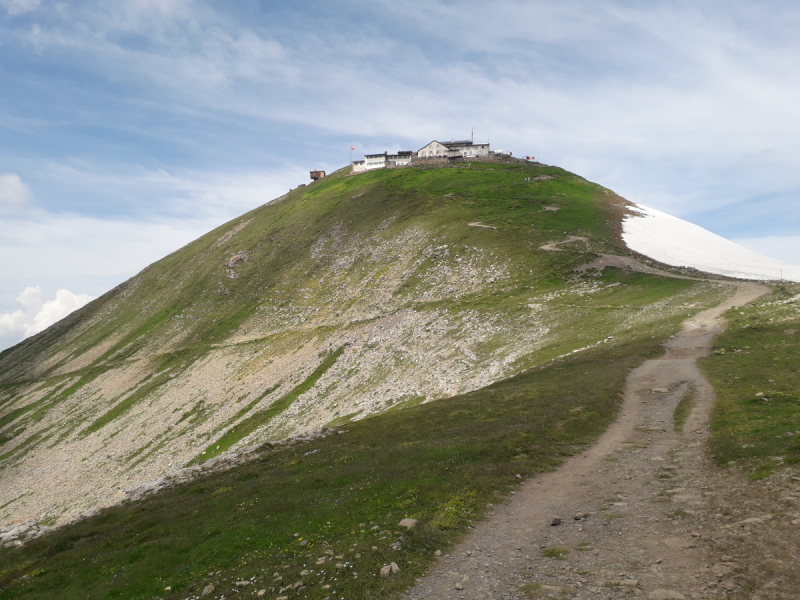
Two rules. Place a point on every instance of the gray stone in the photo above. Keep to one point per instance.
(437, 553)
(389, 570)
(209, 589)
(556, 521)
(409, 523)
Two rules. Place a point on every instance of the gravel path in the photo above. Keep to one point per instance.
(624, 503)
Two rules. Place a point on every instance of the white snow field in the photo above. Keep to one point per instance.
(676, 242)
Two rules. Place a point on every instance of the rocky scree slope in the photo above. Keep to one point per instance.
(342, 299)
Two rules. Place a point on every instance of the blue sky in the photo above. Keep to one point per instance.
(129, 128)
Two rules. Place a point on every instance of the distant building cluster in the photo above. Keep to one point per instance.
(433, 151)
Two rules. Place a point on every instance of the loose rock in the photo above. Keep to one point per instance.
(389, 570)
(409, 523)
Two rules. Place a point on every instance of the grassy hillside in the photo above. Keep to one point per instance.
(331, 507)
(344, 299)
(754, 370)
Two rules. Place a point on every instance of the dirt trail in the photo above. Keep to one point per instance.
(636, 484)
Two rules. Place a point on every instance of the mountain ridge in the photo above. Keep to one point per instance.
(223, 343)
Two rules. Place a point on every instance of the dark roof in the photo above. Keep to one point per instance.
(374, 155)
(457, 143)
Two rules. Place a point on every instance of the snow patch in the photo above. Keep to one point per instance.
(676, 242)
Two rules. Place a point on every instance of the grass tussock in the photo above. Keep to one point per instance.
(682, 410)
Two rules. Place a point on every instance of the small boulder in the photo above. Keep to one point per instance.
(304, 573)
(389, 570)
(408, 523)
(261, 593)
(437, 553)
(209, 589)
(459, 586)
(555, 521)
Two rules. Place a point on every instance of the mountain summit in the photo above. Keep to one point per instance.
(355, 295)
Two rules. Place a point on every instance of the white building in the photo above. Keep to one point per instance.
(454, 149)
(374, 161)
(433, 150)
(383, 160)
(461, 149)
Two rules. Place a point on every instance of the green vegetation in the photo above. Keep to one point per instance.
(532, 589)
(682, 410)
(263, 417)
(439, 462)
(324, 262)
(754, 371)
(145, 312)
(556, 552)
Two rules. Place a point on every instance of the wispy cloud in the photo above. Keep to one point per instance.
(19, 7)
(180, 114)
(13, 193)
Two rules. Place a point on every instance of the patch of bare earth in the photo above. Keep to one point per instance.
(643, 512)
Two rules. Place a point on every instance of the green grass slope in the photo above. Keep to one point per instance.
(192, 283)
(338, 499)
(344, 299)
(754, 370)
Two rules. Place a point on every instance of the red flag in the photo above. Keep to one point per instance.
(351, 148)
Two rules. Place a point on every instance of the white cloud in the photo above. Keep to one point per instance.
(38, 313)
(20, 7)
(13, 192)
